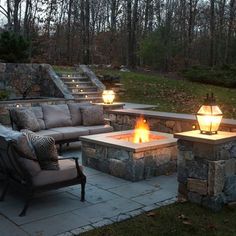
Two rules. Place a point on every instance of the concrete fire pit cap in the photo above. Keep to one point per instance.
(110, 139)
(196, 136)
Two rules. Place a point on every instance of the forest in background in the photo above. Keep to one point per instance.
(167, 35)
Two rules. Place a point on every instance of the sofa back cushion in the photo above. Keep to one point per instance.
(38, 111)
(92, 115)
(26, 155)
(25, 118)
(56, 116)
(75, 112)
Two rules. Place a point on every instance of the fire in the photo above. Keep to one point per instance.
(141, 131)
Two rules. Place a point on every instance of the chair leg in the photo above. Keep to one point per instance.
(60, 148)
(4, 191)
(27, 202)
(82, 199)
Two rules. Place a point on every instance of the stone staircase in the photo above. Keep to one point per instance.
(82, 87)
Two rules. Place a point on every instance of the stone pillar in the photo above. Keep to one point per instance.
(207, 168)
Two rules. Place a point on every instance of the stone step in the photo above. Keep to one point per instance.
(74, 77)
(83, 89)
(86, 95)
(78, 82)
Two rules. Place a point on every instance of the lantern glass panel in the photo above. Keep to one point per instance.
(108, 96)
(209, 118)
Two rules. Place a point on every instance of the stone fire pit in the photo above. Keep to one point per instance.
(116, 154)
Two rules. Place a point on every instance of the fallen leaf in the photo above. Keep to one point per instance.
(151, 214)
(187, 222)
(182, 217)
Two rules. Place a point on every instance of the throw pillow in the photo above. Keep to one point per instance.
(26, 119)
(45, 150)
(39, 115)
(92, 115)
(75, 112)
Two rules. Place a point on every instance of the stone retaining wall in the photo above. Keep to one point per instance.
(46, 82)
(124, 119)
(5, 105)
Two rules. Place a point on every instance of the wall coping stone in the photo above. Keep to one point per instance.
(165, 115)
(196, 136)
(37, 100)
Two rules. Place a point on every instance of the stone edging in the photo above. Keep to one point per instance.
(117, 218)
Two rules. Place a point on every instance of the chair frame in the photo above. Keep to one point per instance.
(16, 174)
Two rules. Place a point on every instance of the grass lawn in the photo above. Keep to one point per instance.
(179, 219)
(172, 95)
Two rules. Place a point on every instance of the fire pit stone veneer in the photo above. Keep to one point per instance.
(115, 154)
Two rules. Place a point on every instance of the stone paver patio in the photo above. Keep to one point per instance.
(108, 199)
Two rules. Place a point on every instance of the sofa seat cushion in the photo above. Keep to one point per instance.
(98, 129)
(66, 172)
(71, 132)
(56, 116)
(50, 133)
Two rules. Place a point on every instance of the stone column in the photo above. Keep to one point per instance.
(207, 168)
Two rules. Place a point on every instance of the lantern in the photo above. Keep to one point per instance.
(209, 116)
(108, 96)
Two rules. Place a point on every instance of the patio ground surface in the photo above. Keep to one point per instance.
(108, 199)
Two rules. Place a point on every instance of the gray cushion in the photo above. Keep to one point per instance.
(92, 115)
(71, 132)
(98, 129)
(26, 157)
(56, 116)
(26, 119)
(23, 147)
(50, 133)
(67, 171)
(33, 167)
(75, 112)
(39, 115)
(45, 150)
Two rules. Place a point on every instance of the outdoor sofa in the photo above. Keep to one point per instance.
(64, 122)
(19, 165)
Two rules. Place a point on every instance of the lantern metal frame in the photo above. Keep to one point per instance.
(209, 101)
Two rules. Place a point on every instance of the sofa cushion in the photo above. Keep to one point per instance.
(26, 119)
(32, 166)
(75, 112)
(23, 146)
(98, 129)
(45, 150)
(92, 115)
(56, 116)
(67, 171)
(50, 133)
(39, 115)
(72, 132)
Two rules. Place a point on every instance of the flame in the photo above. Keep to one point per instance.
(141, 131)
